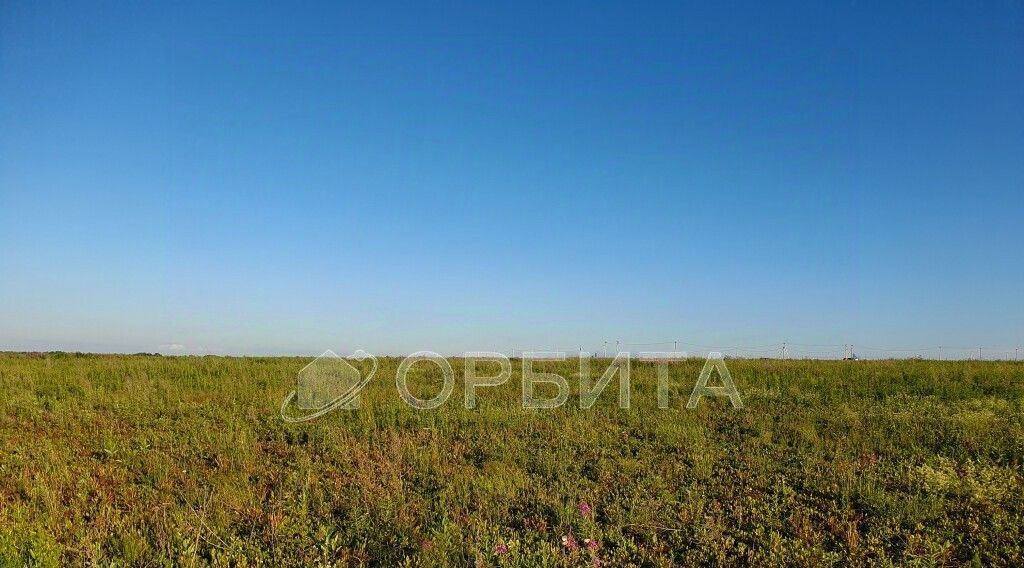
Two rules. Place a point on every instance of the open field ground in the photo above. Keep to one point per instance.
(145, 460)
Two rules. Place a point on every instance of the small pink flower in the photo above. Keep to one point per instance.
(569, 542)
(501, 549)
(585, 509)
(591, 544)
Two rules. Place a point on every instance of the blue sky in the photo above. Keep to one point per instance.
(287, 178)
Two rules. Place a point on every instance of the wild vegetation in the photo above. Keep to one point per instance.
(146, 460)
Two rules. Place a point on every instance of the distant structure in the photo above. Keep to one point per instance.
(848, 354)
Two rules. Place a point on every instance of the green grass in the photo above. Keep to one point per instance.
(140, 460)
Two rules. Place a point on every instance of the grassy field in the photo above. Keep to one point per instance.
(147, 460)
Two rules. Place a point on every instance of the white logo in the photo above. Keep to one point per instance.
(331, 382)
(328, 383)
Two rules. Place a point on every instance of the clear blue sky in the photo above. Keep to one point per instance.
(286, 178)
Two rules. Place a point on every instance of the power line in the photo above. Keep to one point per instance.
(787, 349)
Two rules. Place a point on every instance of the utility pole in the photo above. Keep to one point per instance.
(783, 349)
(675, 346)
(616, 347)
(940, 353)
(606, 348)
(979, 354)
